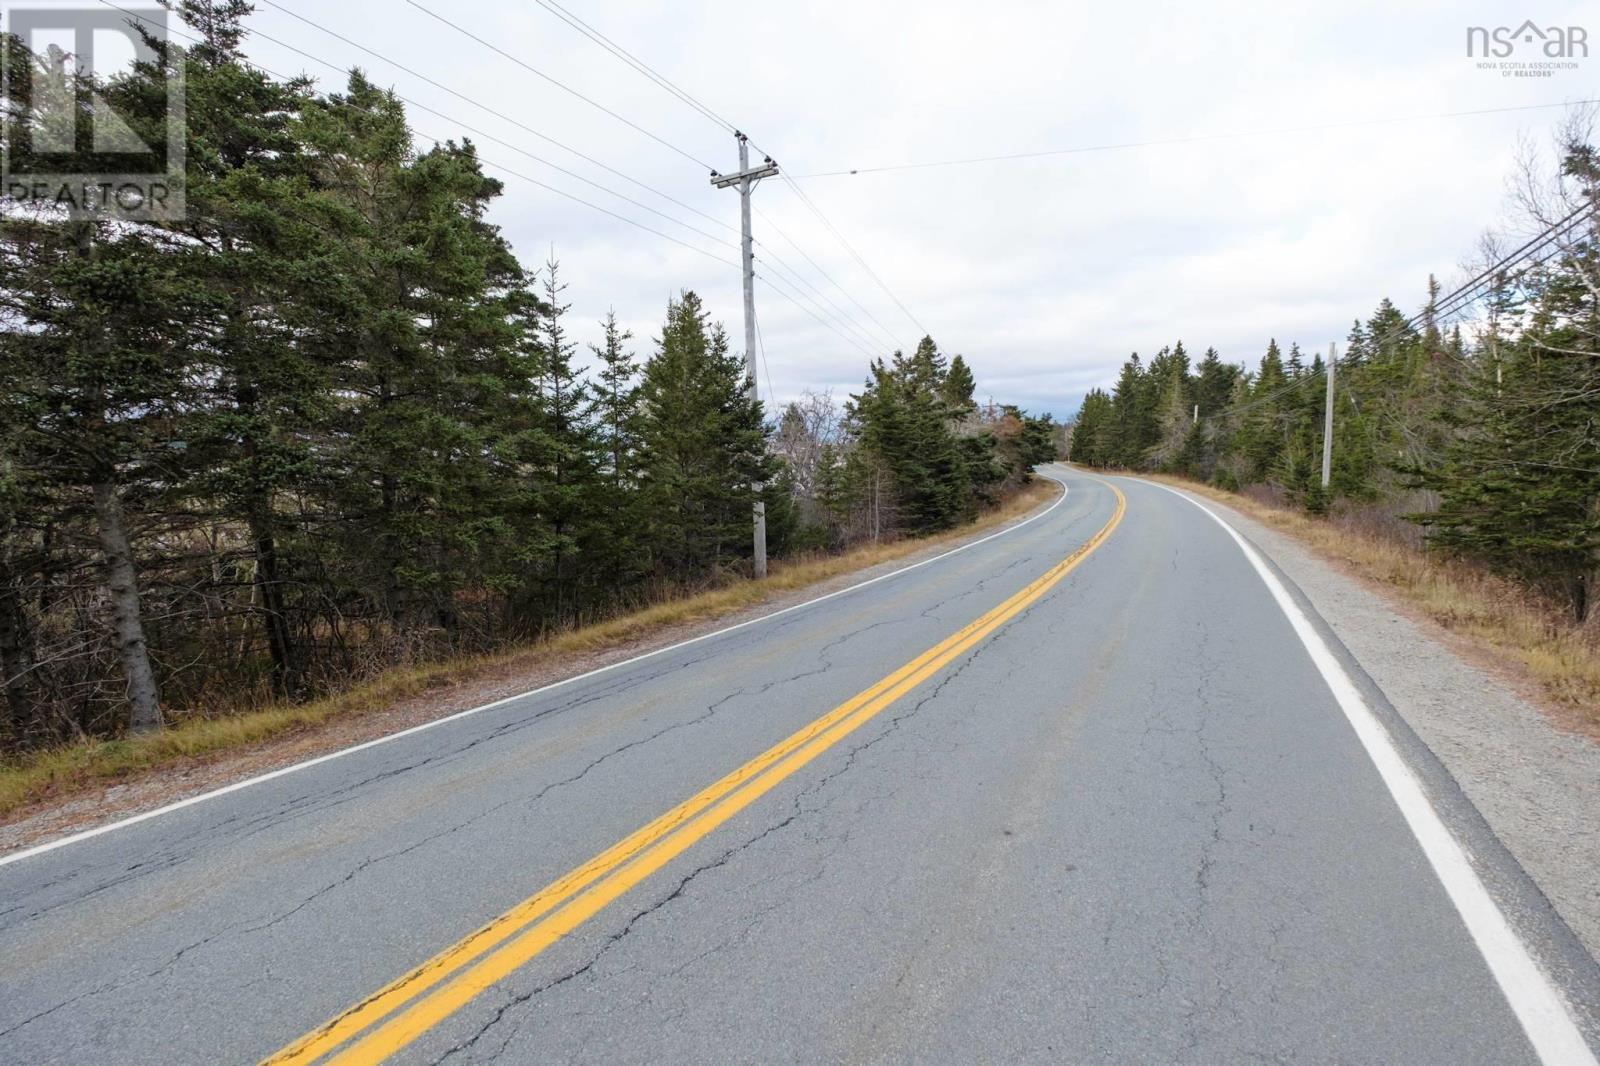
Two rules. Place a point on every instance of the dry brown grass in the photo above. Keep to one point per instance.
(1509, 626)
(63, 771)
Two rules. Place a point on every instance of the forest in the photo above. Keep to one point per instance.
(328, 422)
(1481, 436)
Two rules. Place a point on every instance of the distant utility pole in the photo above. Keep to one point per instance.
(1327, 419)
(745, 180)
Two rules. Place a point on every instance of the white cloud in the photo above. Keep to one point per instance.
(1045, 272)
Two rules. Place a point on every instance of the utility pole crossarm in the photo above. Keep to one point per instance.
(769, 169)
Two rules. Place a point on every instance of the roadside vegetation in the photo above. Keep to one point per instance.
(1466, 440)
(62, 770)
(326, 437)
(1532, 637)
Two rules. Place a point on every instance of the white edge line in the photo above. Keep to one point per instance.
(1538, 1003)
(283, 771)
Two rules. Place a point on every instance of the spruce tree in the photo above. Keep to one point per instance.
(1134, 425)
(1091, 430)
(615, 407)
(959, 386)
(432, 289)
(570, 477)
(703, 447)
(1520, 482)
(261, 258)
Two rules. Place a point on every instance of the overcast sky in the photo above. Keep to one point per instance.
(1046, 272)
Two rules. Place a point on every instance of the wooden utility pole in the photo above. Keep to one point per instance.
(745, 181)
(1327, 420)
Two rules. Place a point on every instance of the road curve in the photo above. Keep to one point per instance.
(1080, 793)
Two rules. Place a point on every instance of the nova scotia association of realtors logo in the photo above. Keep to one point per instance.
(1528, 50)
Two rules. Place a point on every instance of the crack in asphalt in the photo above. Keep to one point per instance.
(243, 825)
(798, 810)
(239, 827)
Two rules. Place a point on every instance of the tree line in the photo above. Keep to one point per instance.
(1487, 439)
(327, 422)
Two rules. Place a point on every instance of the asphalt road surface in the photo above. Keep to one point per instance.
(1091, 790)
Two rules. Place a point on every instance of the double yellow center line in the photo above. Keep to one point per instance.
(397, 1014)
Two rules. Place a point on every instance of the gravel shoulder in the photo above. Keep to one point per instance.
(1537, 785)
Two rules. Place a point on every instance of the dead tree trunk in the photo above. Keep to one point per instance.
(127, 626)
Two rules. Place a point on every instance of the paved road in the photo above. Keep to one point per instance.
(1130, 824)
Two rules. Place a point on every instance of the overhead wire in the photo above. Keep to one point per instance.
(1196, 139)
(633, 61)
(818, 298)
(487, 162)
(761, 346)
(489, 136)
(687, 98)
(485, 107)
(884, 331)
(772, 258)
(1451, 303)
(1446, 307)
(781, 291)
(681, 94)
(561, 85)
(611, 47)
(840, 237)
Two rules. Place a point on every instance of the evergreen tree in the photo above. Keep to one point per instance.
(611, 550)
(1262, 433)
(959, 386)
(95, 362)
(575, 455)
(1091, 430)
(616, 401)
(1134, 426)
(1520, 484)
(902, 418)
(433, 293)
(326, 422)
(703, 446)
(262, 260)
(1169, 373)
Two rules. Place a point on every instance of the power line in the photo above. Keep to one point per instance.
(761, 345)
(485, 107)
(801, 193)
(626, 57)
(883, 330)
(1457, 300)
(687, 98)
(602, 210)
(773, 259)
(561, 85)
(551, 188)
(1550, 234)
(829, 325)
(491, 137)
(633, 61)
(806, 289)
(1197, 139)
(643, 68)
